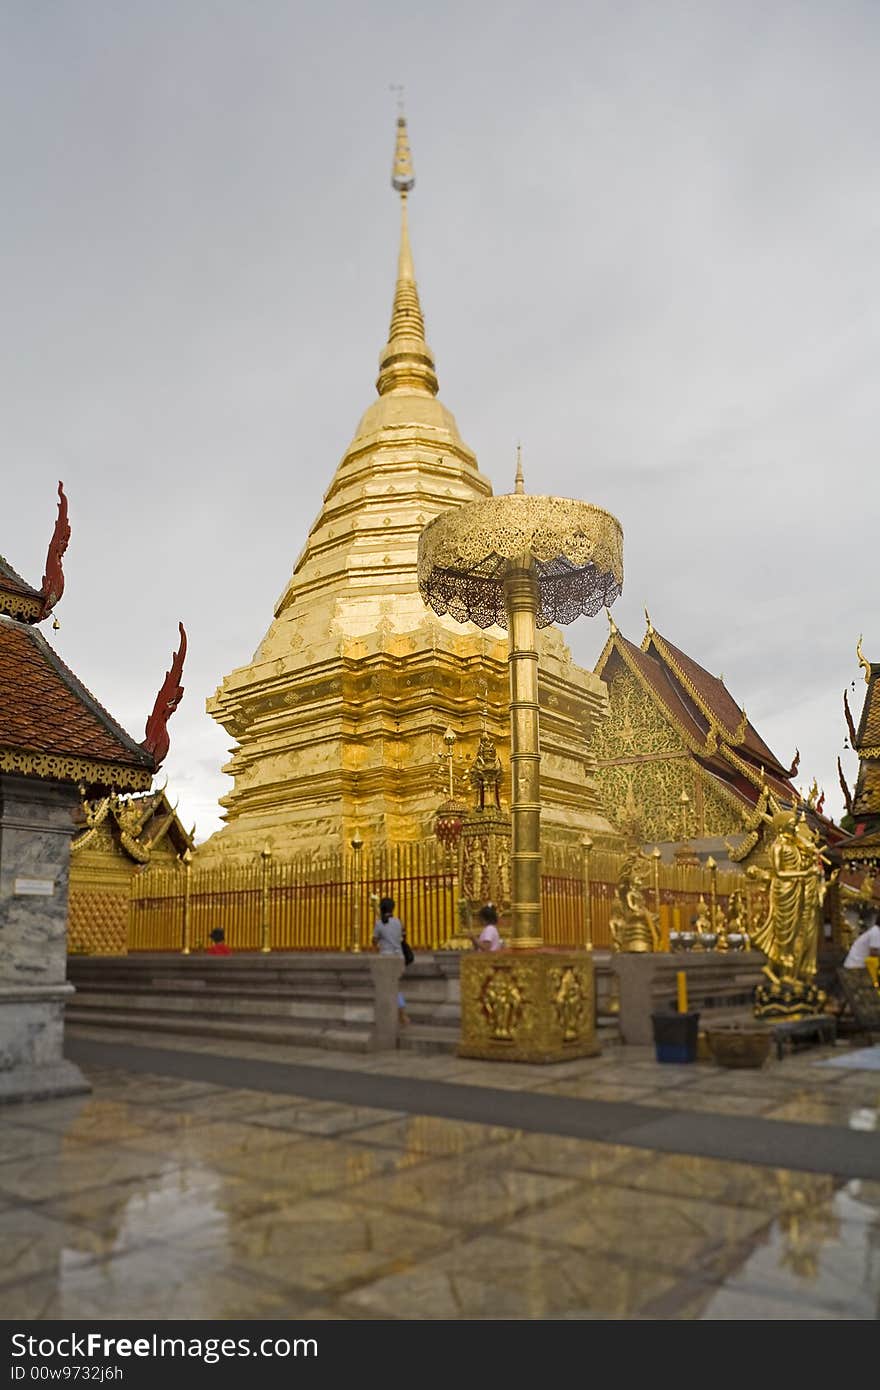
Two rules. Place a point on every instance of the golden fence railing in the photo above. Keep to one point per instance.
(308, 904)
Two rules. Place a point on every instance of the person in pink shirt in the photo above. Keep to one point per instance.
(489, 938)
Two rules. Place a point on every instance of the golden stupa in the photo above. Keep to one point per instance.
(340, 715)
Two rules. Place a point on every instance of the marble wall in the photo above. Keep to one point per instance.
(36, 827)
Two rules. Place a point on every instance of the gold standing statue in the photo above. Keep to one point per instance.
(789, 935)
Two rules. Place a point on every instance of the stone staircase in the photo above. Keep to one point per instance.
(298, 1000)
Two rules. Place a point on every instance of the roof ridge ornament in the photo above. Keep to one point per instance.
(157, 742)
(611, 623)
(53, 579)
(863, 661)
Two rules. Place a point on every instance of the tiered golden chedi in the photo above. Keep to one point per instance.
(340, 716)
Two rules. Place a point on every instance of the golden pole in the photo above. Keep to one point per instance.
(656, 856)
(521, 604)
(587, 850)
(266, 858)
(357, 846)
(713, 892)
(187, 894)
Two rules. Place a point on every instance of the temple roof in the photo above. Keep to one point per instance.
(17, 598)
(142, 824)
(864, 804)
(721, 740)
(52, 726)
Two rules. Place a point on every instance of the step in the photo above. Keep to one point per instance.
(424, 1038)
(343, 1039)
(338, 1011)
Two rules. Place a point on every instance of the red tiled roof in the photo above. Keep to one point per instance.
(45, 710)
(719, 701)
(10, 579)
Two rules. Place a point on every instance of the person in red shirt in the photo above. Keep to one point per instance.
(218, 945)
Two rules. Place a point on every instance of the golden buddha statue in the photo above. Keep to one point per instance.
(633, 927)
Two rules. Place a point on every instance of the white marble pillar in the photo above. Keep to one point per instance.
(36, 827)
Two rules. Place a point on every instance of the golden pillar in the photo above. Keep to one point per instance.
(521, 601)
(357, 848)
(587, 852)
(265, 861)
(523, 562)
(187, 902)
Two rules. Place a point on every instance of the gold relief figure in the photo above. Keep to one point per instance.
(503, 1001)
(633, 927)
(569, 1001)
(486, 773)
(789, 933)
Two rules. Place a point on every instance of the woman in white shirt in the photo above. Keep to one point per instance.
(868, 944)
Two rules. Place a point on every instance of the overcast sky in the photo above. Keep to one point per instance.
(646, 238)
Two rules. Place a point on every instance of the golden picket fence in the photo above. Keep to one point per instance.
(324, 904)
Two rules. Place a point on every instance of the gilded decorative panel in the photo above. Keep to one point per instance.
(650, 793)
(97, 923)
(527, 1006)
(634, 725)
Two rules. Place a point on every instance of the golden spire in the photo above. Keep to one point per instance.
(518, 483)
(406, 363)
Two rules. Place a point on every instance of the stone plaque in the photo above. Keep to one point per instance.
(34, 887)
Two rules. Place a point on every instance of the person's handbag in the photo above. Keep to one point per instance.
(408, 956)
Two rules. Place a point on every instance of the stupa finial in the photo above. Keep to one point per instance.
(518, 483)
(406, 363)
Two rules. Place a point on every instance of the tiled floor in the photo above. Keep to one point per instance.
(158, 1197)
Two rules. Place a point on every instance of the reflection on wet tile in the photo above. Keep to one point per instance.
(722, 1304)
(324, 1117)
(319, 1243)
(27, 1143)
(159, 1206)
(209, 1142)
(811, 1256)
(145, 1284)
(710, 1104)
(822, 1110)
(305, 1165)
(675, 1233)
(594, 1090)
(859, 1200)
(579, 1159)
(75, 1169)
(34, 1243)
(716, 1180)
(229, 1104)
(491, 1277)
(461, 1192)
(427, 1134)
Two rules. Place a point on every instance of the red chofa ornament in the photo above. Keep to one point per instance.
(157, 741)
(448, 824)
(53, 579)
